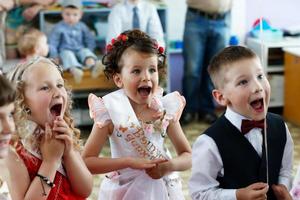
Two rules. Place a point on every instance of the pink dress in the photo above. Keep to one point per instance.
(134, 138)
(295, 191)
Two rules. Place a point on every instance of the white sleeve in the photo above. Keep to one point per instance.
(286, 170)
(207, 165)
(154, 26)
(114, 23)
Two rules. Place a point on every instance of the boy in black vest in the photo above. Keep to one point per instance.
(229, 159)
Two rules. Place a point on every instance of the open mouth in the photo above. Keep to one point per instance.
(258, 104)
(144, 91)
(56, 110)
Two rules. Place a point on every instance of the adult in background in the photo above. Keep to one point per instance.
(207, 28)
(135, 14)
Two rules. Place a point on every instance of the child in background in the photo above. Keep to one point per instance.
(136, 119)
(229, 159)
(135, 14)
(22, 16)
(13, 173)
(50, 142)
(72, 42)
(33, 43)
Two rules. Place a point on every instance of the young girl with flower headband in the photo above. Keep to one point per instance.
(50, 142)
(136, 119)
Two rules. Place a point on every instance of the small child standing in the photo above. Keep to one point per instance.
(136, 119)
(229, 160)
(33, 43)
(50, 142)
(72, 42)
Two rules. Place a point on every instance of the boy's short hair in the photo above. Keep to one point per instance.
(72, 4)
(223, 59)
(28, 41)
(7, 91)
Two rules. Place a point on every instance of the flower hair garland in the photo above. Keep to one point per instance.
(124, 38)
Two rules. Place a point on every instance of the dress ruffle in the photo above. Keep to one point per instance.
(172, 103)
(98, 111)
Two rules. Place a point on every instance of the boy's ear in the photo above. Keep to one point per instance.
(118, 80)
(219, 97)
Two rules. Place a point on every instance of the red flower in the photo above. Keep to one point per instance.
(161, 50)
(109, 47)
(124, 38)
(113, 41)
(119, 37)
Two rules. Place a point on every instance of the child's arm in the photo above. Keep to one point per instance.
(286, 170)
(99, 165)
(206, 167)
(52, 151)
(114, 24)
(54, 41)
(41, 2)
(155, 29)
(88, 38)
(180, 163)
(30, 12)
(18, 180)
(281, 192)
(80, 178)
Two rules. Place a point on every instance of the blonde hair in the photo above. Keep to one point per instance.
(28, 42)
(24, 129)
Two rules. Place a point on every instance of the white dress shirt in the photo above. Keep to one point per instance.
(207, 163)
(120, 19)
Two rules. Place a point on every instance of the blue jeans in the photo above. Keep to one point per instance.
(72, 59)
(203, 38)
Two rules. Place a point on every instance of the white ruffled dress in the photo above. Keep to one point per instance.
(134, 138)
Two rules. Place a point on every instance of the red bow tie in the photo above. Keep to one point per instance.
(247, 125)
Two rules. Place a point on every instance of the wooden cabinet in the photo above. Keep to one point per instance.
(291, 109)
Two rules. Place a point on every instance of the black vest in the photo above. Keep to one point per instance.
(242, 165)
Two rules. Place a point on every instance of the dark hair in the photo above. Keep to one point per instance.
(7, 91)
(138, 41)
(226, 57)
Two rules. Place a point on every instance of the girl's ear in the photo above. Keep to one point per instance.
(219, 97)
(118, 80)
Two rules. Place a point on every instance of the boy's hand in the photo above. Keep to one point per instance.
(159, 170)
(255, 191)
(281, 192)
